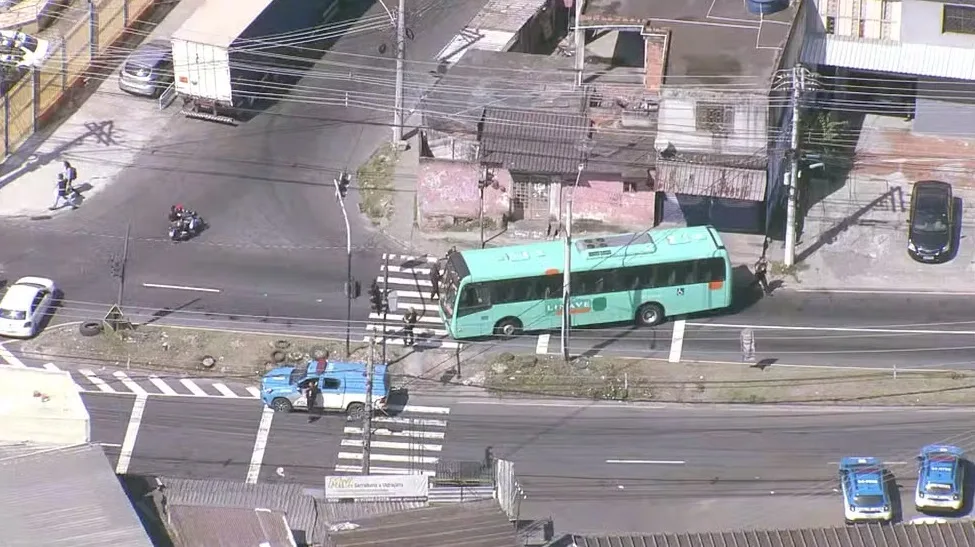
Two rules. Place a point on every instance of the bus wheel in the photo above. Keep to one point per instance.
(650, 314)
(508, 327)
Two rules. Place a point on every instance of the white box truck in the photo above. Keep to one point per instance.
(229, 54)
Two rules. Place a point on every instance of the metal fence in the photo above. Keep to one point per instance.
(463, 473)
(29, 102)
(460, 494)
(509, 493)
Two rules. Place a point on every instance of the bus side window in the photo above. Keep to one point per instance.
(474, 296)
(716, 269)
(504, 292)
(630, 279)
(551, 286)
(529, 289)
(664, 275)
(686, 272)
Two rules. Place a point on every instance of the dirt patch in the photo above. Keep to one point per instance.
(639, 380)
(375, 181)
(239, 355)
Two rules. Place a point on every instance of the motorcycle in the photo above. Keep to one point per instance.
(186, 226)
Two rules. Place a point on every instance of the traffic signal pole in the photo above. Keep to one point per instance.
(340, 190)
(385, 302)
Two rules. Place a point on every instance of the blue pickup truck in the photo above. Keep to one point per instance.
(341, 387)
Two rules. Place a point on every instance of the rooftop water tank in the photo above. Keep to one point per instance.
(766, 7)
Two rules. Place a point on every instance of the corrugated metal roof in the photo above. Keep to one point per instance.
(477, 524)
(66, 497)
(506, 15)
(195, 526)
(890, 56)
(307, 516)
(533, 142)
(710, 180)
(953, 534)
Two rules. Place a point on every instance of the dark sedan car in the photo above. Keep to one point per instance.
(932, 218)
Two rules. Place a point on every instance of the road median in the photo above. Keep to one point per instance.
(606, 378)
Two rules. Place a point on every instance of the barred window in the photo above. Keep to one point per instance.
(958, 19)
(714, 118)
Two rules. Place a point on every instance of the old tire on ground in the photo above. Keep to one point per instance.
(282, 344)
(208, 361)
(278, 356)
(355, 411)
(90, 328)
(319, 353)
(650, 314)
(296, 356)
(281, 405)
(507, 327)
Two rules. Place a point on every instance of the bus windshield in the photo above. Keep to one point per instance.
(455, 269)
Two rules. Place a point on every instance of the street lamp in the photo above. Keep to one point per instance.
(351, 288)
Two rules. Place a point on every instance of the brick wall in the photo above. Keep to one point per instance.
(655, 58)
(447, 193)
(606, 201)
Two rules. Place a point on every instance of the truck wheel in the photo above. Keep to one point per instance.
(281, 405)
(650, 314)
(355, 411)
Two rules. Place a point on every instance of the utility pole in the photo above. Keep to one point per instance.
(486, 178)
(798, 87)
(400, 61)
(367, 419)
(341, 188)
(567, 271)
(580, 42)
(385, 302)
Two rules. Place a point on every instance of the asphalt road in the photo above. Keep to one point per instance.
(277, 239)
(604, 468)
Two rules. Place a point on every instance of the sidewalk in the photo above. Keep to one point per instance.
(101, 138)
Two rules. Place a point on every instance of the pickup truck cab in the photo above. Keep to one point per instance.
(341, 387)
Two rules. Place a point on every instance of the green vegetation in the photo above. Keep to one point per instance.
(660, 381)
(375, 182)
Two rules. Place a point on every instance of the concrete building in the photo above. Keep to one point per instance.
(41, 406)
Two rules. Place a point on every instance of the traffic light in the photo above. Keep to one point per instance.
(353, 289)
(375, 298)
(344, 181)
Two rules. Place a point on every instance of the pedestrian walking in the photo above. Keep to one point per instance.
(409, 321)
(71, 174)
(435, 281)
(311, 394)
(62, 190)
(761, 276)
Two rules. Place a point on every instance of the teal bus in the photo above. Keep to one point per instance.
(643, 277)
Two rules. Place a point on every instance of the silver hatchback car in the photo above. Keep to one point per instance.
(148, 71)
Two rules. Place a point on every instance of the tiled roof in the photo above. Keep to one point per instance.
(955, 534)
(533, 141)
(218, 526)
(710, 180)
(65, 496)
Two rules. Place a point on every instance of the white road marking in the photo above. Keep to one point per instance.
(396, 329)
(383, 470)
(131, 432)
(867, 330)
(887, 292)
(10, 358)
(388, 445)
(404, 433)
(194, 389)
(409, 282)
(677, 343)
(179, 288)
(110, 445)
(409, 421)
(52, 367)
(400, 458)
(162, 386)
(409, 258)
(394, 319)
(884, 463)
(424, 409)
(541, 347)
(256, 393)
(400, 269)
(98, 382)
(649, 462)
(412, 294)
(129, 383)
(260, 445)
(225, 391)
(449, 344)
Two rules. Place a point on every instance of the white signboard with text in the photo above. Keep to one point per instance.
(376, 488)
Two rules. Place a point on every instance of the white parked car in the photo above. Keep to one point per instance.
(24, 306)
(22, 50)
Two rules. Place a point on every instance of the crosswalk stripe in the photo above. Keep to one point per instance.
(52, 367)
(98, 382)
(225, 391)
(392, 331)
(383, 432)
(403, 293)
(129, 383)
(392, 318)
(194, 389)
(409, 258)
(405, 281)
(425, 342)
(411, 421)
(400, 269)
(256, 393)
(400, 458)
(419, 409)
(389, 445)
(162, 386)
(383, 470)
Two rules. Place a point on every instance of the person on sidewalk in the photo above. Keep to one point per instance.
(434, 281)
(62, 191)
(71, 174)
(761, 275)
(409, 321)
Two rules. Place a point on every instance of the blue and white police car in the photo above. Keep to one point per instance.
(866, 497)
(940, 478)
